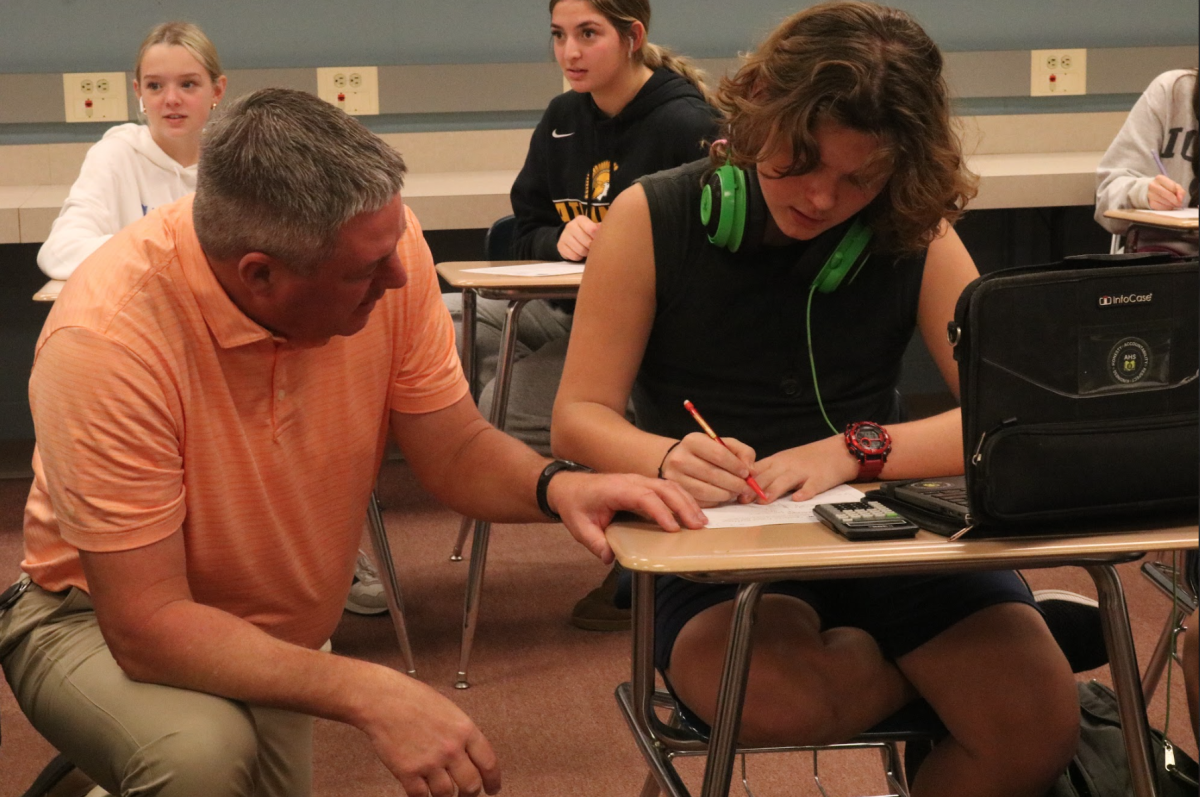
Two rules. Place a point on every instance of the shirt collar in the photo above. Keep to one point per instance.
(229, 325)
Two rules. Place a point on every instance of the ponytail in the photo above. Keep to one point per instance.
(655, 56)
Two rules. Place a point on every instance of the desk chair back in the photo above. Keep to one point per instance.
(497, 244)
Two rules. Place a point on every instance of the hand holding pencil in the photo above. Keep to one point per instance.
(1163, 193)
(708, 430)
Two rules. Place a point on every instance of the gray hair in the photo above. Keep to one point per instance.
(281, 172)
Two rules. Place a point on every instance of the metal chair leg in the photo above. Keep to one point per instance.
(464, 529)
(650, 787)
(508, 344)
(1160, 658)
(471, 604)
(391, 586)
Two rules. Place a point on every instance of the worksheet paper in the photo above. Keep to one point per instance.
(531, 270)
(781, 510)
(1185, 213)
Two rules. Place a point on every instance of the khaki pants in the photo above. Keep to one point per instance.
(137, 738)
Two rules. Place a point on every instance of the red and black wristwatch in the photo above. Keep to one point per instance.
(870, 444)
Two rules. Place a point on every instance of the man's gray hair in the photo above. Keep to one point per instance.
(281, 171)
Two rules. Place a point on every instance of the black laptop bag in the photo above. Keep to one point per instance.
(1079, 390)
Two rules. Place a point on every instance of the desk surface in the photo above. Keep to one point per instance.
(1153, 219)
(759, 552)
(459, 275)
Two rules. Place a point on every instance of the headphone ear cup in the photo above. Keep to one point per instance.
(844, 257)
(723, 206)
(738, 228)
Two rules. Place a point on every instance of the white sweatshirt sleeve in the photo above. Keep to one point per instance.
(1128, 167)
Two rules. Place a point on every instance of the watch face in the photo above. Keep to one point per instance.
(870, 438)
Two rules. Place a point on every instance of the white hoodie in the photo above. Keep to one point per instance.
(1162, 121)
(124, 176)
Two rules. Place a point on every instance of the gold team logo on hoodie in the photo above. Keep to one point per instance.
(597, 189)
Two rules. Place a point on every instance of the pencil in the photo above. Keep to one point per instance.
(1158, 160)
(708, 430)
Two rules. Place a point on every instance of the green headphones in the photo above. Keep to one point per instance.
(723, 209)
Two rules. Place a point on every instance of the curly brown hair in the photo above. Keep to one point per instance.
(869, 68)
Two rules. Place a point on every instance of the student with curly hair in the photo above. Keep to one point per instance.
(837, 132)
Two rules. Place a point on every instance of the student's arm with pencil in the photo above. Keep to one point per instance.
(613, 318)
(1131, 174)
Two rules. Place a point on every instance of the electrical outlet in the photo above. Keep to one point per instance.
(354, 89)
(1057, 72)
(95, 97)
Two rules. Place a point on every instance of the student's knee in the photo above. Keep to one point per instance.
(791, 696)
(1032, 729)
(791, 702)
(209, 754)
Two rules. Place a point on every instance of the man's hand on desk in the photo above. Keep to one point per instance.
(587, 502)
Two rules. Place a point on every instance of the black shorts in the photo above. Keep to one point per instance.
(900, 612)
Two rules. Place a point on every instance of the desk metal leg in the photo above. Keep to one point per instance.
(395, 599)
(470, 369)
(732, 695)
(1131, 704)
(469, 360)
(508, 345)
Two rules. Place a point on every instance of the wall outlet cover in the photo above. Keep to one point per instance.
(1055, 73)
(354, 89)
(95, 97)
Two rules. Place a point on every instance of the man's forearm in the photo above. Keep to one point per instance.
(470, 466)
(192, 646)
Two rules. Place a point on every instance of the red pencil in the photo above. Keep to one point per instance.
(708, 430)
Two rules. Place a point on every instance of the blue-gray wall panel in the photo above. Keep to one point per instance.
(101, 35)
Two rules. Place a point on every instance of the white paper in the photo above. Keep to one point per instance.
(781, 510)
(560, 269)
(1185, 213)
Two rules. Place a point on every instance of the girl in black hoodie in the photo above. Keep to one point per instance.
(634, 109)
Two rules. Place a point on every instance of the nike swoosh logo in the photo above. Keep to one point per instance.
(556, 134)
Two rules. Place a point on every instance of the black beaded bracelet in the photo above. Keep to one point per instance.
(664, 459)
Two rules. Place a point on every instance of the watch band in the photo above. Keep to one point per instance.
(543, 484)
(869, 468)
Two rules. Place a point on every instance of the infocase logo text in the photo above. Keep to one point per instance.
(1119, 300)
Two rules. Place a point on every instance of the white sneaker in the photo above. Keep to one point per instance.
(366, 591)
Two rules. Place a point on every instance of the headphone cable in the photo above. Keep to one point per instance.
(812, 360)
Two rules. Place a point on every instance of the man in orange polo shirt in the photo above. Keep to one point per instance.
(212, 394)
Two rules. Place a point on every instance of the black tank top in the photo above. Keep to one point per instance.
(729, 329)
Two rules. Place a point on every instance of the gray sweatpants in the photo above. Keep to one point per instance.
(543, 332)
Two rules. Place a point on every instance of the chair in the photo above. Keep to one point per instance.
(59, 778)
(1183, 602)
(497, 244)
(391, 585)
(680, 736)
(683, 734)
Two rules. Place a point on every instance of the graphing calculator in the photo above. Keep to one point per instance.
(864, 520)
